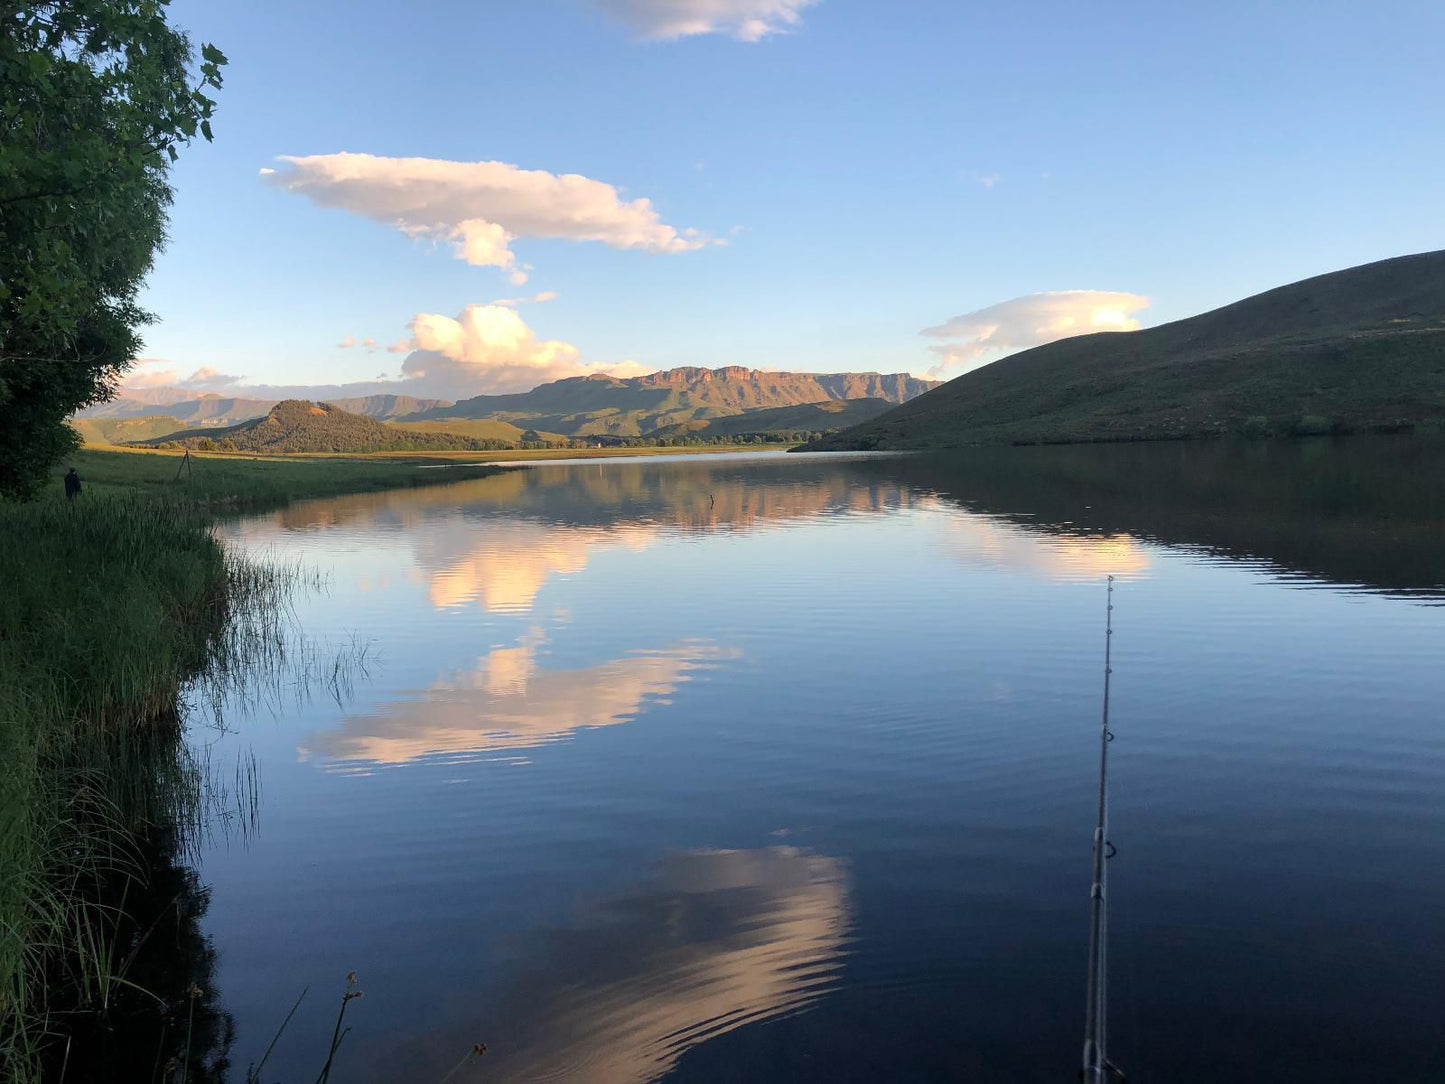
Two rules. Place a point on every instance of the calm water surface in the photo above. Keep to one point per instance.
(782, 768)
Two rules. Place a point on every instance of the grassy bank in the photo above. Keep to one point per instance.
(221, 482)
(110, 606)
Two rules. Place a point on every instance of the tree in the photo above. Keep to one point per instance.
(96, 97)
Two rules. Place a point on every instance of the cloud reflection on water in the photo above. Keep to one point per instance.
(508, 702)
(717, 939)
(984, 542)
(506, 564)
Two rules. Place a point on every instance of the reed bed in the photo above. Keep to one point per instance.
(121, 616)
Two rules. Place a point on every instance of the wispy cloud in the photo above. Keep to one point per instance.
(481, 208)
(745, 20)
(965, 341)
(513, 302)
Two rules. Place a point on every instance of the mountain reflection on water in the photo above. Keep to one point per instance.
(651, 757)
(1355, 511)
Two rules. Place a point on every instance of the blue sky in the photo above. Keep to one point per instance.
(874, 170)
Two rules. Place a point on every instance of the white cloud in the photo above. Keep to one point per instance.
(346, 343)
(480, 208)
(490, 350)
(148, 373)
(988, 180)
(745, 20)
(1028, 321)
(487, 349)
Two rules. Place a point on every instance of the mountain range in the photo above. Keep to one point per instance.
(638, 406)
(1362, 348)
(684, 402)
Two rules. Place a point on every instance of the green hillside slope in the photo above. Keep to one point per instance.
(295, 425)
(481, 429)
(807, 418)
(1357, 349)
(104, 431)
(386, 407)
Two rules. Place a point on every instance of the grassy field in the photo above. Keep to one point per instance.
(485, 428)
(219, 482)
(111, 604)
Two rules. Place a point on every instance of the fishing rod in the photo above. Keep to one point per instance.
(1097, 1067)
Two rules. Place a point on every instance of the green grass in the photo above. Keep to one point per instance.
(482, 428)
(219, 482)
(110, 431)
(109, 608)
(111, 605)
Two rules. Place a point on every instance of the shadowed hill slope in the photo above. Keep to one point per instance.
(1357, 349)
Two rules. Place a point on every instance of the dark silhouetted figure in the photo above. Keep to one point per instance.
(72, 484)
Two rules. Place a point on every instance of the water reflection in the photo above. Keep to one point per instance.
(988, 542)
(504, 569)
(732, 493)
(717, 939)
(901, 654)
(508, 702)
(1360, 511)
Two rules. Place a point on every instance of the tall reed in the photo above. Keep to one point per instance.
(108, 610)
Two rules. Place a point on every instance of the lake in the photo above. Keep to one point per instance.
(783, 768)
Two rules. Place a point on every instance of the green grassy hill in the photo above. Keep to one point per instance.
(481, 429)
(641, 406)
(807, 418)
(120, 430)
(387, 407)
(1357, 349)
(295, 425)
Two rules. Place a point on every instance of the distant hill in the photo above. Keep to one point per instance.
(187, 410)
(191, 409)
(638, 406)
(386, 407)
(1357, 349)
(808, 418)
(480, 428)
(295, 425)
(121, 430)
